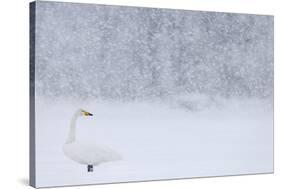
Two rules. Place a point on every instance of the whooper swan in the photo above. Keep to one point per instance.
(87, 154)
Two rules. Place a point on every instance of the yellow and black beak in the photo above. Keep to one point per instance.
(86, 113)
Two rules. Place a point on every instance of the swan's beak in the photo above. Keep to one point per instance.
(87, 113)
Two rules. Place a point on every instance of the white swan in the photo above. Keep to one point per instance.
(88, 154)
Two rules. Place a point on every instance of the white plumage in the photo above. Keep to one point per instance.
(83, 153)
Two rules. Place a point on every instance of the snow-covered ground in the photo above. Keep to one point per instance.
(156, 140)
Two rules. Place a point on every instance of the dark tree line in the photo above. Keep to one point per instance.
(136, 53)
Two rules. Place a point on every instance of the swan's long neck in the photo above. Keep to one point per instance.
(72, 129)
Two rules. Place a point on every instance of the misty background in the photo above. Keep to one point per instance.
(125, 53)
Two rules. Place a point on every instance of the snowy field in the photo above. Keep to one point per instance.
(156, 140)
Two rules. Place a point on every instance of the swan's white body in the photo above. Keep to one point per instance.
(89, 154)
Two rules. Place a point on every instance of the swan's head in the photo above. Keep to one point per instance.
(82, 112)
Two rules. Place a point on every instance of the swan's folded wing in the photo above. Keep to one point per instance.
(103, 154)
(90, 154)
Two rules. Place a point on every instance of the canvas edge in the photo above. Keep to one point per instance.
(150, 7)
(32, 164)
(160, 180)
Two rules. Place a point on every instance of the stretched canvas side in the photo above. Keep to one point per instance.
(32, 163)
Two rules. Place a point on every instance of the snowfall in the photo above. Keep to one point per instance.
(171, 140)
(178, 94)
